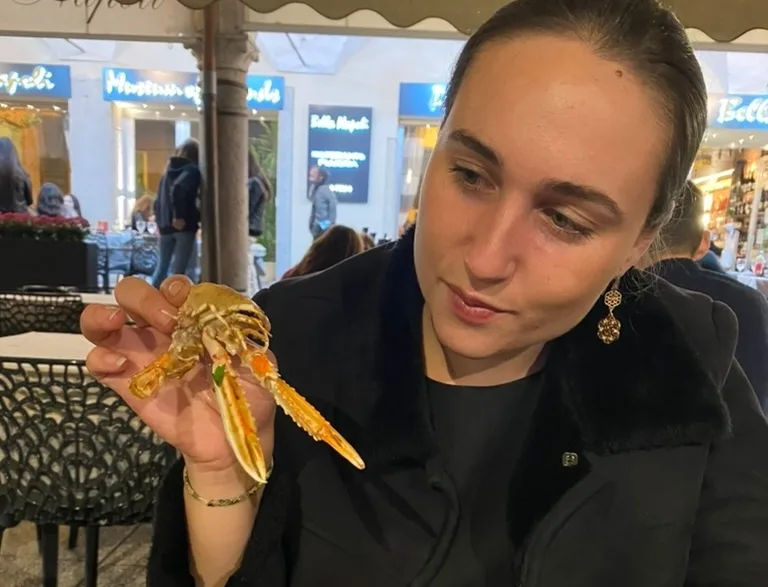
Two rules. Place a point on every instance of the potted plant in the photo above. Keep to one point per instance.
(264, 147)
(46, 250)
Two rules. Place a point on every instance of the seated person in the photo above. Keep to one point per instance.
(686, 242)
(333, 246)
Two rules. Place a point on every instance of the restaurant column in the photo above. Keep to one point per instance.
(234, 54)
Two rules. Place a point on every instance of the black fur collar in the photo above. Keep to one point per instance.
(648, 390)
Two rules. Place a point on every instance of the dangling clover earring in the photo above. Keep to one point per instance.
(609, 328)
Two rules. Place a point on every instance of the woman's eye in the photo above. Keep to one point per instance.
(560, 220)
(467, 177)
(562, 224)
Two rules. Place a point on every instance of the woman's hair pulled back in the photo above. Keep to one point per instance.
(643, 36)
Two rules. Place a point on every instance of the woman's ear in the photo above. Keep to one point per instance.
(701, 250)
(639, 256)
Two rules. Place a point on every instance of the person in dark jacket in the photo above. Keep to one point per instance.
(177, 213)
(324, 202)
(527, 409)
(15, 184)
(686, 241)
(259, 195)
(711, 261)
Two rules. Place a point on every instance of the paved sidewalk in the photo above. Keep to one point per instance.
(122, 558)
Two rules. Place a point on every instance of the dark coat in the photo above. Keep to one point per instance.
(178, 196)
(671, 487)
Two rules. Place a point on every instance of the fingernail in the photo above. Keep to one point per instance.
(120, 361)
(114, 313)
(175, 288)
(168, 319)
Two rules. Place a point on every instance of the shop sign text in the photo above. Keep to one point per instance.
(340, 141)
(167, 87)
(28, 81)
(92, 7)
(742, 112)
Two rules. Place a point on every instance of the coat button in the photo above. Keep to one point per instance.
(569, 459)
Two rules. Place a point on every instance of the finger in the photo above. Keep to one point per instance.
(102, 362)
(101, 324)
(137, 321)
(176, 289)
(145, 304)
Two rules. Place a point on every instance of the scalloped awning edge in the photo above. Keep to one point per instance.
(721, 21)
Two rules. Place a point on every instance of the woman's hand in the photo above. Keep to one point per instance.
(183, 412)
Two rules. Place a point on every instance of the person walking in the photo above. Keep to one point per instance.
(177, 213)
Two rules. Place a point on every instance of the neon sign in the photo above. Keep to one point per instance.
(422, 100)
(167, 87)
(130, 86)
(742, 112)
(265, 90)
(35, 81)
(340, 141)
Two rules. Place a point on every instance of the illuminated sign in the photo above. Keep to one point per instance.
(340, 142)
(422, 100)
(742, 112)
(35, 81)
(170, 87)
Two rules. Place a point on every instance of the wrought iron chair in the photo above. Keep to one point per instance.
(72, 454)
(144, 254)
(22, 312)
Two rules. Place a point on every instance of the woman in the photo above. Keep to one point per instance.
(334, 246)
(142, 210)
(15, 185)
(50, 200)
(178, 214)
(368, 242)
(259, 194)
(72, 207)
(530, 410)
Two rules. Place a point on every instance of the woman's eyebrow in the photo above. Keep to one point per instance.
(575, 192)
(469, 141)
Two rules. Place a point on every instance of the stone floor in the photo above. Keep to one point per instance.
(122, 558)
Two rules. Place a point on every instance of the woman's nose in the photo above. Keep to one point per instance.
(495, 247)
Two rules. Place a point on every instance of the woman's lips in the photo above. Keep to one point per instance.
(470, 309)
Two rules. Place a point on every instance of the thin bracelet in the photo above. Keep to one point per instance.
(222, 503)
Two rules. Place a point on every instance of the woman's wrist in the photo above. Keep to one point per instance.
(219, 483)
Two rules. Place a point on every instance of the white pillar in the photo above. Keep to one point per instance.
(234, 54)
(92, 150)
(127, 160)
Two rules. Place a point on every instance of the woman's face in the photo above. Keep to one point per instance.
(536, 195)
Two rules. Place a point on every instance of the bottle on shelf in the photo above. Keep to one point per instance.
(758, 265)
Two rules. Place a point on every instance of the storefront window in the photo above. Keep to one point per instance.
(33, 110)
(735, 199)
(155, 144)
(418, 143)
(38, 131)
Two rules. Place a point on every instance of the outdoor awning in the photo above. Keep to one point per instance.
(722, 21)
